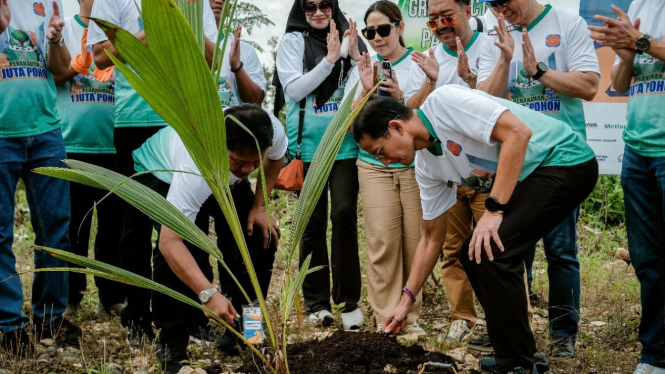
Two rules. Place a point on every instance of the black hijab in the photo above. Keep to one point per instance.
(316, 49)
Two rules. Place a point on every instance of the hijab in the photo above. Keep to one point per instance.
(316, 49)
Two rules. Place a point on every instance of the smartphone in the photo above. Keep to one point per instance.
(385, 72)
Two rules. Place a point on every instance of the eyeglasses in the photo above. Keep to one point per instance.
(510, 28)
(447, 21)
(382, 30)
(494, 4)
(378, 154)
(310, 9)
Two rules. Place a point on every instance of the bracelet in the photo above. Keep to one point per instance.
(238, 69)
(429, 81)
(407, 291)
(59, 43)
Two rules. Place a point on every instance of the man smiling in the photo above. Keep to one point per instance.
(536, 170)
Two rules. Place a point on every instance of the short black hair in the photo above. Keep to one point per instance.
(256, 120)
(461, 3)
(373, 119)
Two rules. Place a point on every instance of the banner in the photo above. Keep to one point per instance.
(605, 115)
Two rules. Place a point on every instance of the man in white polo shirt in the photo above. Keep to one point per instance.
(545, 61)
(453, 61)
(185, 268)
(536, 170)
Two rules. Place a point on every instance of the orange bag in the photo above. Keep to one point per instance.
(292, 176)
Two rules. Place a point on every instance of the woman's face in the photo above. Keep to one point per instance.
(321, 18)
(383, 45)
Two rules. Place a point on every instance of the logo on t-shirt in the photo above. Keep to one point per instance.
(20, 57)
(332, 105)
(39, 9)
(481, 174)
(478, 63)
(553, 40)
(454, 148)
(87, 89)
(648, 77)
(225, 92)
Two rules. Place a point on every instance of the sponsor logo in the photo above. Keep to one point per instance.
(601, 158)
(553, 40)
(39, 9)
(591, 125)
(620, 158)
(454, 148)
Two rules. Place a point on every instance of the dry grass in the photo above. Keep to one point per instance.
(610, 299)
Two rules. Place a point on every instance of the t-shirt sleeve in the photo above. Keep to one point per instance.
(414, 83)
(489, 57)
(354, 77)
(279, 141)
(581, 54)
(463, 110)
(435, 195)
(289, 58)
(187, 192)
(252, 65)
(107, 10)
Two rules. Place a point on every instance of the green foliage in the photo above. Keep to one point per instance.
(250, 16)
(605, 204)
(337, 311)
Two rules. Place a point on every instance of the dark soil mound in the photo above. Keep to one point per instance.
(356, 352)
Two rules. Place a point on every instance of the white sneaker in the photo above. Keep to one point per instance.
(413, 328)
(353, 320)
(459, 331)
(321, 317)
(648, 369)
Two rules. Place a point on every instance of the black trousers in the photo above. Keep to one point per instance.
(136, 238)
(83, 199)
(536, 207)
(344, 261)
(177, 320)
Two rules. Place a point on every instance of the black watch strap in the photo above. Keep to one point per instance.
(493, 205)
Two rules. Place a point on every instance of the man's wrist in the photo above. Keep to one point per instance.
(59, 42)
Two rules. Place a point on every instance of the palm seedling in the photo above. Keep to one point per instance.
(172, 75)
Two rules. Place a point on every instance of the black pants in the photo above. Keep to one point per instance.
(537, 206)
(136, 238)
(344, 260)
(108, 230)
(177, 320)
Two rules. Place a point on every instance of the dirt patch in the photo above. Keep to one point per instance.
(357, 352)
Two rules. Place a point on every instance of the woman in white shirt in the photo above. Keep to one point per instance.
(312, 72)
(390, 194)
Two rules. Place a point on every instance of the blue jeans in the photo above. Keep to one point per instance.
(563, 271)
(643, 182)
(48, 199)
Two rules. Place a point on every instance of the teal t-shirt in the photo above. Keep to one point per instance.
(645, 130)
(155, 154)
(27, 91)
(315, 124)
(84, 103)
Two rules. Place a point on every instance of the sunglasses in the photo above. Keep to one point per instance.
(447, 21)
(382, 30)
(325, 6)
(494, 4)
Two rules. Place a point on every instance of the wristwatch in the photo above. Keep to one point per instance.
(472, 75)
(642, 44)
(59, 43)
(493, 205)
(206, 295)
(542, 69)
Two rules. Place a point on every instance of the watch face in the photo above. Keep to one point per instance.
(542, 67)
(642, 44)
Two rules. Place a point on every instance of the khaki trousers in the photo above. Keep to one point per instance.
(470, 206)
(393, 217)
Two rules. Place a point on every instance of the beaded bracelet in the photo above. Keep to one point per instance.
(411, 296)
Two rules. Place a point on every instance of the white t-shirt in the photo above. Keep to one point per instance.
(561, 40)
(166, 151)
(447, 59)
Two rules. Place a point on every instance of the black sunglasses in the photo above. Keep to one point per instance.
(310, 9)
(382, 30)
(494, 4)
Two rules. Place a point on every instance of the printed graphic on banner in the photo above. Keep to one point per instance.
(252, 323)
(20, 56)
